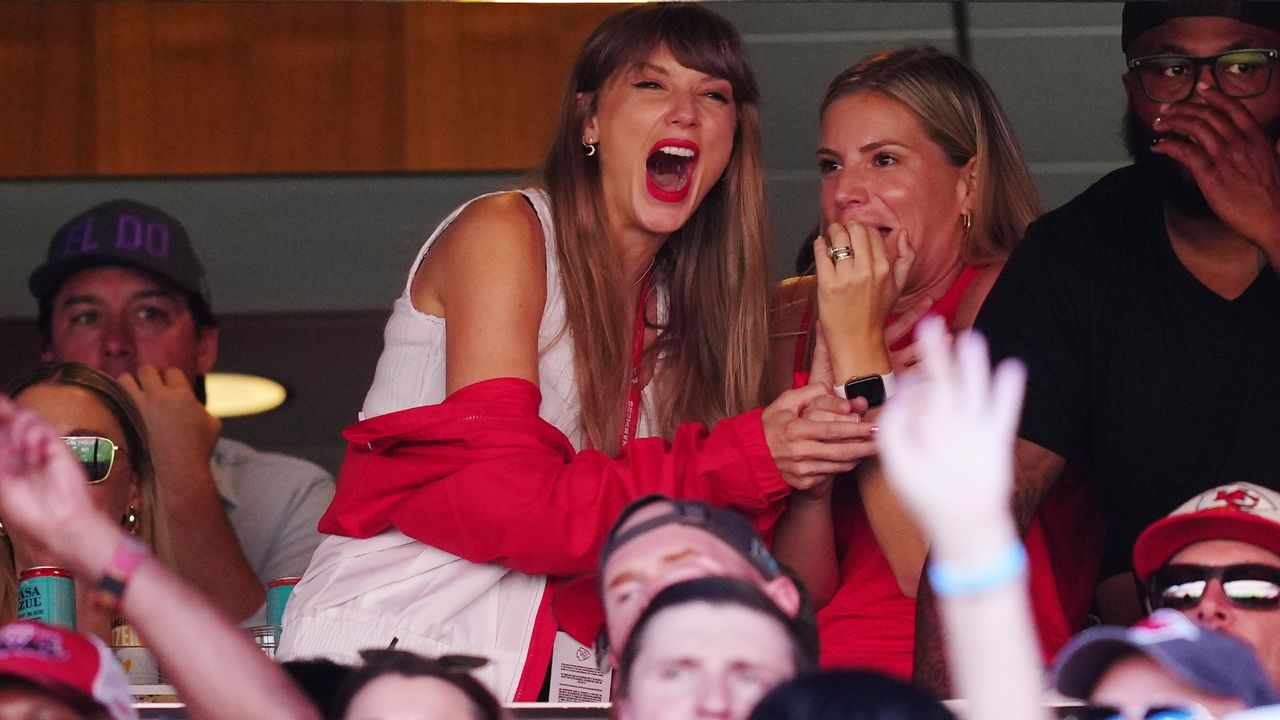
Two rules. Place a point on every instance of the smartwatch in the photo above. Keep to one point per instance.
(875, 388)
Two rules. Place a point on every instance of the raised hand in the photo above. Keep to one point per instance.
(947, 437)
(43, 489)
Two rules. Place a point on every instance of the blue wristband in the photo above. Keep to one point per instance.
(950, 582)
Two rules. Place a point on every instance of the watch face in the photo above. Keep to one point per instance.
(870, 387)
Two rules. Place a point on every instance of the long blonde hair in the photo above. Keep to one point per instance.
(150, 528)
(713, 346)
(961, 113)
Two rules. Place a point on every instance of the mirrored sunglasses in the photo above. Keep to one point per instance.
(97, 455)
(1248, 586)
(1155, 712)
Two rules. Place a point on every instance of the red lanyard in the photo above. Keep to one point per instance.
(631, 415)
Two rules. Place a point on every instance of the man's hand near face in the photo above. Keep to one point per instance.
(1233, 160)
(182, 436)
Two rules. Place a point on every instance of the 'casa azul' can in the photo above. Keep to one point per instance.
(278, 592)
(47, 594)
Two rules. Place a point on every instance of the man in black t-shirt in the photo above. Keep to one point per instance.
(1148, 308)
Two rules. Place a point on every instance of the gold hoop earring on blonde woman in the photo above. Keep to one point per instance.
(966, 222)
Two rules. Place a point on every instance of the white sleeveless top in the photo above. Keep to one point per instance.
(411, 369)
(368, 592)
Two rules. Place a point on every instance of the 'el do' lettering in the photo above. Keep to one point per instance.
(133, 235)
(80, 239)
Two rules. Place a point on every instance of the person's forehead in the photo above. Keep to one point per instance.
(393, 693)
(114, 280)
(1201, 35)
(23, 699)
(723, 633)
(1136, 680)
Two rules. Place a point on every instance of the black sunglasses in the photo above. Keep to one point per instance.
(1172, 78)
(97, 455)
(1249, 586)
(1154, 712)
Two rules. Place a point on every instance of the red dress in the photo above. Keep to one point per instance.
(870, 624)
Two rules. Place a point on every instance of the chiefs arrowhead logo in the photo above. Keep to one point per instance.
(1235, 497)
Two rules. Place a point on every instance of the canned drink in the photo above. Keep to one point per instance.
(47, 594)
(278, 593)
(134, 655)
(264, 636)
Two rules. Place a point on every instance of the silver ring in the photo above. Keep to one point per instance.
(840, 253)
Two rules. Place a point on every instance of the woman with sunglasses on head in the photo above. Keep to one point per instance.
(46, 503)
(618, 311)
(104, 430)
(924, 194)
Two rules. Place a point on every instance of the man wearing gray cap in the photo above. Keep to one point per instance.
(1164, 667)
(122, 291)
(1147, 308)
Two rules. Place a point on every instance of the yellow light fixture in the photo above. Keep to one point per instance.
(236, 394)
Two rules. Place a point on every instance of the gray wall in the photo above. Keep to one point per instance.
(313, 246)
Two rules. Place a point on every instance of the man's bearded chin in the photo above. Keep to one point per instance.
(1169, 177)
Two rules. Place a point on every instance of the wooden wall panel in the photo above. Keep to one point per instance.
(281, 87)
(49, 102)
(487, 82)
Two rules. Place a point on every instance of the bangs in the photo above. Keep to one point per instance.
(697, 38)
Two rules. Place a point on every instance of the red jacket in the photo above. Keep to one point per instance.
(481, 476)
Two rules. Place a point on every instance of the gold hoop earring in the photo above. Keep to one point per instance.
(588, 148)
(966, 222)
(129, 521)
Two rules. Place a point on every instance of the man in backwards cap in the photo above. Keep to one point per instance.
(657, 542)
(122, 291)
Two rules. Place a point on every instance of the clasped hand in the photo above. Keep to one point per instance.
(814, 435)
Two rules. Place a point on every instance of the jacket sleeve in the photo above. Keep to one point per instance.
(493, 483)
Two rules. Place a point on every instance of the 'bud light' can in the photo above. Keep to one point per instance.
(47, 594)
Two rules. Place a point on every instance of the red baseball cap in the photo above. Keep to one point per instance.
(71, 665)
(1240, 511)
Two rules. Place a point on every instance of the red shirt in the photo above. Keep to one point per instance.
(869, 623)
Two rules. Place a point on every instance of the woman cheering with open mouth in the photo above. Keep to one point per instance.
(561, 350)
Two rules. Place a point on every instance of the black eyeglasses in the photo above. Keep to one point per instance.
(1188, 711)
(1172, 78)
(97, 455)
(1249, 586)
